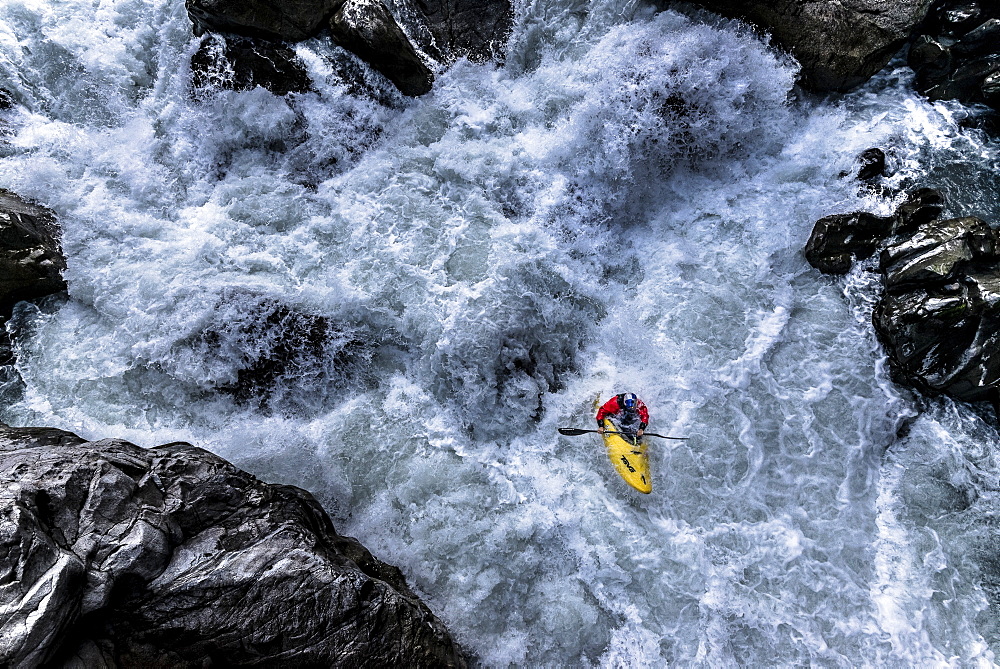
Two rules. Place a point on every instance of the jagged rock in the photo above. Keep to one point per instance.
(292, 20)
(446, 29)
(956, 54)
(31, 260)
(939, 317)
(241, 63)
(839, 43)
(120, 556)
(367, 29)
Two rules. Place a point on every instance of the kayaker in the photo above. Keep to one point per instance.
(628, 412)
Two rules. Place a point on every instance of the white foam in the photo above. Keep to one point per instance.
(620, 207)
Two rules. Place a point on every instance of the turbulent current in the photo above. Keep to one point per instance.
(395, 302)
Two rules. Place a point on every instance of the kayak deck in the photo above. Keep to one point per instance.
(629, 458)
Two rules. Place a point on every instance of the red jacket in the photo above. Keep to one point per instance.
(612, 408)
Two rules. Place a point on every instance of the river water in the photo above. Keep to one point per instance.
(449, 279)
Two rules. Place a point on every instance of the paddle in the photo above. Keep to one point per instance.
(576, 432)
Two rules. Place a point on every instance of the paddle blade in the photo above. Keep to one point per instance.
(574, 431)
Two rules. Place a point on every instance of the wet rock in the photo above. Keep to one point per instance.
(939, 317)
(840, 45)
(990, 89)
(956, 54)
(937, 252)
(922, 206)
(870, 168)
(955, 19)
(241, 63)
(929, 57)
(444, 29)
(31, 260)
(367, 29)
(942, 339)
(119, 556)
(871, 164)
(837, 241)
(984, 39)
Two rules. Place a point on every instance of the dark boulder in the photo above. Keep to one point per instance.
(956, 54)
(840, 44)
(240, 63)
(292, 20)
(871, 164)
(837, 241)
(939, 317)
(119, 556)
(367, 29)
(31, 260)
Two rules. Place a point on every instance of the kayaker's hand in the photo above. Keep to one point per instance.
(638, 435)
(601, 429)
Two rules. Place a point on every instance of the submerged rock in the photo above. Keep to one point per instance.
(120, 556)
(272, 356)
(241, 63)
(31, 260)
(840, 44)
(472, 29)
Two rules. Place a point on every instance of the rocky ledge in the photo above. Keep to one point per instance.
(120, 556)
(938, 316)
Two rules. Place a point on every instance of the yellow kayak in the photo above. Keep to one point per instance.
(628, 457)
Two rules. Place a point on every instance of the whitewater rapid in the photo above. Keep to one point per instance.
(620, 207)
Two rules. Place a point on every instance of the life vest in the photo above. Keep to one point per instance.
(636, 418)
